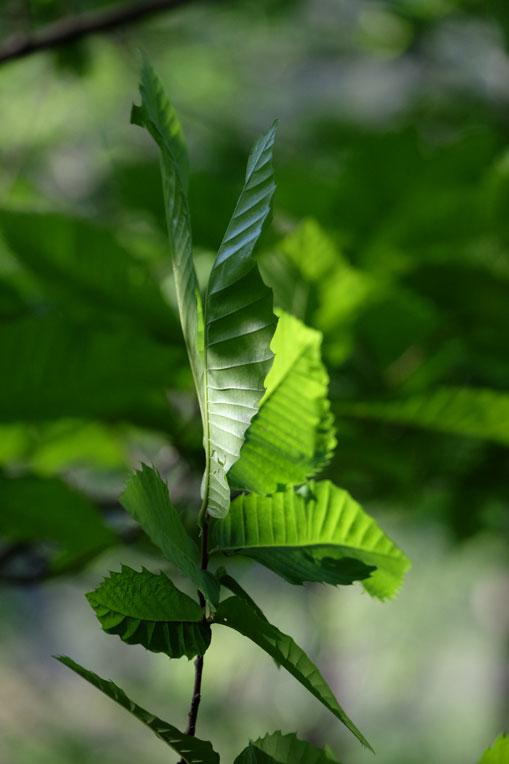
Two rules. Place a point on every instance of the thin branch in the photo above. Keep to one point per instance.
(75, 28)
(198, 664)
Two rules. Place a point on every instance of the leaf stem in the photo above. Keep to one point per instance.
(198, 664)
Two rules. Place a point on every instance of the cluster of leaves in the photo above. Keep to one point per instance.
(264, 440)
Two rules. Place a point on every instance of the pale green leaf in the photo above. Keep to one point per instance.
(147, 499)
(239, 324)
(498, 753)
(276, 748)
(237, 614)
(476, 412)
(147, 609)
(191, 749)
(157, 114)
(323, 535)
(292, 435)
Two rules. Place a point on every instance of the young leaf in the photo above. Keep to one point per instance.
(238, 614)
(277, 748)
(229, 348)
(159, 117)
(191, 749)
(498, 753)
(34, 508)
(145, 609)
(239, 324)
(146, 498)
(292, 435)
(477, 412)
(322, 536)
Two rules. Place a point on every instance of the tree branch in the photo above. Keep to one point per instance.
(74, 28)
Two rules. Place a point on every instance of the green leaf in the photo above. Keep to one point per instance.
(292, 435)
(146, 498)
(58, 369)
(239, 324)
(191, 749)
(82, 264)
(47, 509)
(145, 609)
(159, 117)
(476, 412)
(276, 748)
(498, 753)
(322, 536)
(237, 614)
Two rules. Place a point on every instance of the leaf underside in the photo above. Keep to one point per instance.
(237, 614)
(292, 435)
(147, 609)
(322, 536)
(239, 325)
(191, 749)
(277, 748)
(147, 499)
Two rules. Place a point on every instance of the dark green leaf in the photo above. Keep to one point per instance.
(147, 499)
(467, 411)
(191, 749)
(237, 614)
(145, 609)
(277, 748)
(47, 509)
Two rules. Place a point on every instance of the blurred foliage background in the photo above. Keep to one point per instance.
(390, 234)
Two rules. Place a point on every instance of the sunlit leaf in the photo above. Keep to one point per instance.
(323, 535)
(498, 753)
(145, 609)
(238, 614)
(239, 324)
(191, 749)
(292, 435)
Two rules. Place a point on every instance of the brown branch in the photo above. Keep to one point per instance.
(75, 28)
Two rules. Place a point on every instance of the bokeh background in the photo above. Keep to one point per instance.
(390, 234)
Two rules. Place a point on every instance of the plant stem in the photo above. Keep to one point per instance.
(198, 664)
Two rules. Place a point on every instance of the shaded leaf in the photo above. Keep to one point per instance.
(292, 435)
(276, 748)
(237, 614)
(33, 508)
(323, 535)
(80, 262)
(476, 412)
(147, 609)
(147, 499)
(191, 749)
(55, 369)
